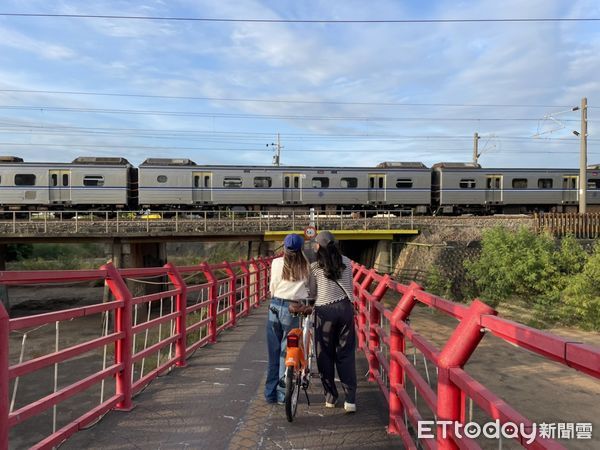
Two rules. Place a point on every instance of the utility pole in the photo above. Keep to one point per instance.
(278, 147)
(583, 158)
(475, 148)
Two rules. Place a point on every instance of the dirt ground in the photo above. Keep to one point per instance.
(541, 390)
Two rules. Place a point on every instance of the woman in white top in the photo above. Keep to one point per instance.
(289, 282)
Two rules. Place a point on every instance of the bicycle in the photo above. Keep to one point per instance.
(299, 357)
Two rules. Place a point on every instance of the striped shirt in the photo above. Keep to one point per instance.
(328, 291)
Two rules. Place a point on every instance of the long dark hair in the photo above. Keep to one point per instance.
(330, 260)
(295, 266)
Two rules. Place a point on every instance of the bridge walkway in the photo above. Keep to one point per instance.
(217, 402)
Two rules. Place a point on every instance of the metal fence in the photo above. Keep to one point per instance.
(185, 222)
(582, 226)
(447, 390)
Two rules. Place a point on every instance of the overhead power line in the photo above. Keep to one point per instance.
(307, 21)
(267, 116)
(261, 136)
(292, 101)
(117, 148)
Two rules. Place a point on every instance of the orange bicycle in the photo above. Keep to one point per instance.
(299, 357)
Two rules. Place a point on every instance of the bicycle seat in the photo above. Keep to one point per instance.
(300, 308)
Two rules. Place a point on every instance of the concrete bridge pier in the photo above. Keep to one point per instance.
(383, 257)
(262, 248)
(139, 254)
(372, 253)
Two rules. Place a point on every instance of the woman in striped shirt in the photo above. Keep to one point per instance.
(335, 336)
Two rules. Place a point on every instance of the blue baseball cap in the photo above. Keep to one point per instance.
(293, 242)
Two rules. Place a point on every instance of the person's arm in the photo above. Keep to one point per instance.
(312, 286)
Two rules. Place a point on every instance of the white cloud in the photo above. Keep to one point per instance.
(40, 47)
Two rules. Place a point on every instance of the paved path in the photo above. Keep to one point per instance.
(217, 403)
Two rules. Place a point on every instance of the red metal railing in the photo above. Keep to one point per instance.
(391, 369)
(232, 290)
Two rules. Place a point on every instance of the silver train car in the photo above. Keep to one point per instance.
(87, 182)
(468, 188)
(165, 183)
(103, 183)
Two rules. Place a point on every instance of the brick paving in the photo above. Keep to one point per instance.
(217, 403)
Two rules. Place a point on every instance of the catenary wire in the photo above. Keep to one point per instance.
(263, 100)
(308, 21)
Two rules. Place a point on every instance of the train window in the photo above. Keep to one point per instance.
(54, 179)
(545, 183)
(296, 182)
(93, 180)
(467, 183)
(320, 182)
(65, 179)
(25, 179)
(263, 182)
(232, 182)
(403, 183)
(593, 183)
(519, 183)
(371, 182)
(206, 181)
(161, 178)
(381, 182)
(349, 183)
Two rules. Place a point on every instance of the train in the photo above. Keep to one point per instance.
(113, 183)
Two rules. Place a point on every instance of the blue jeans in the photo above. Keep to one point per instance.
(279, 324)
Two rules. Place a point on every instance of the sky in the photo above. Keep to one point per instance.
(352, 94)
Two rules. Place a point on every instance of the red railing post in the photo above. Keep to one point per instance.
(4, 361)
(246, 274)
(374, 320)
(123, 347)
(262, 291)
(181, 308)
(212, 297)
(397, 345)
(232, 293)
(256, 284)
(456, 353)
(362, 308)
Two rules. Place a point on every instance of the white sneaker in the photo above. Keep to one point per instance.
(350, 407)
(329, 405)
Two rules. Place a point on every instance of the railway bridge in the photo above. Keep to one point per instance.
(141, 239)
(188, 372)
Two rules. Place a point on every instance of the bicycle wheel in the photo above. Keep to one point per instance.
(292, 391)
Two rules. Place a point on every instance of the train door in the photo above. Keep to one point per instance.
(60, 186)
(377, 188)
(202, 187)
(570, 186)
(493, 189)
(292, 187)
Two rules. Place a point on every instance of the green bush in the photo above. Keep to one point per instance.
(581, 296)
(438, 284)
(559, 283)
(514, 264)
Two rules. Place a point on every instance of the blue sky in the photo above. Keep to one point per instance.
(357, 85)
